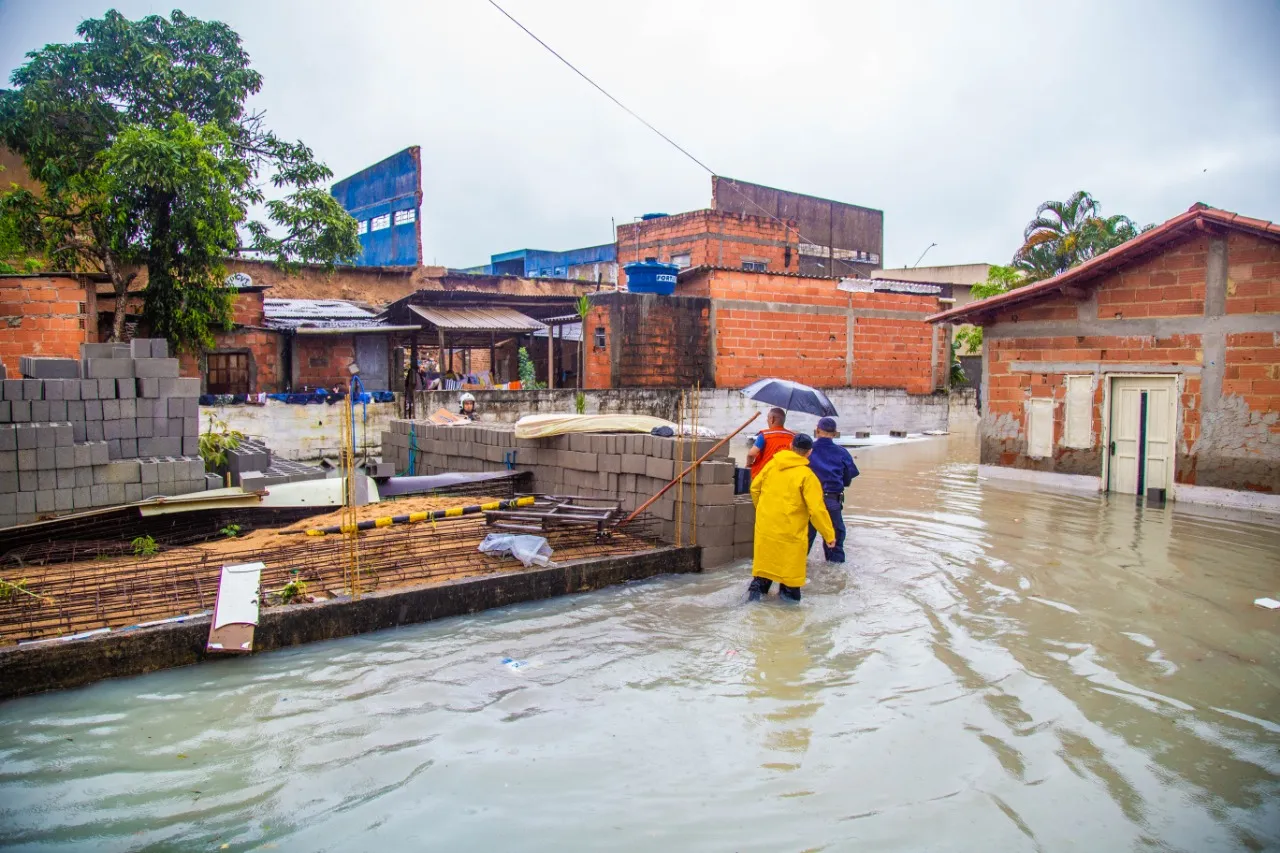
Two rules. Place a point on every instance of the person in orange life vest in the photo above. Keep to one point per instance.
(771, 439)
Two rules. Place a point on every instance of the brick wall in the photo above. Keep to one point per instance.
(650, 341)
(1231, 440)
(710, 238)
(322, 361)
(44, 316)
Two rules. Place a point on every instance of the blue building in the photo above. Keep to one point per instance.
(593, 263)
(386, 202)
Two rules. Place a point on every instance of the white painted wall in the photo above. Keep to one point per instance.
(304, 433)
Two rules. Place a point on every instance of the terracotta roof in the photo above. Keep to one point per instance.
(1199, 215)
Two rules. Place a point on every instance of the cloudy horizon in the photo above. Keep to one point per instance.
(956, 122)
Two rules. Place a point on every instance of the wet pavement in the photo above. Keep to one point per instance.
(996, 668)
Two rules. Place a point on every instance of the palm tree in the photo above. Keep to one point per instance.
(1067, 233)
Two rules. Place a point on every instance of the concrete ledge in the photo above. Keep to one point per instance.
(1233, 498)
(53, 666)
(1070, 482)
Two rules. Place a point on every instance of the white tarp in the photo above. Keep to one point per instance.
(238, 595)
(542, 426)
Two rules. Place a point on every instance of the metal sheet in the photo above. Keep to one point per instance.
(478, 319)
(417, 485)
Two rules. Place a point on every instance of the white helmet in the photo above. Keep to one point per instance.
(467, 397)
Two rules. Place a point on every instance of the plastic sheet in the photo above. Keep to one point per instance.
(529, 550)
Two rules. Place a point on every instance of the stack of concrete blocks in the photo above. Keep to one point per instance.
(251, 467)
(115, 427)
(629, 467)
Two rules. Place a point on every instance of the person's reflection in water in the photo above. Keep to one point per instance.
(780, 681)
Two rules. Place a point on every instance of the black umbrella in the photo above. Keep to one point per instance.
(791, 396)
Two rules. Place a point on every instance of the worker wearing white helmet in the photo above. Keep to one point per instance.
(468, 402)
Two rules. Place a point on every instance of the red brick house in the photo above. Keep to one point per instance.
(1154, 365)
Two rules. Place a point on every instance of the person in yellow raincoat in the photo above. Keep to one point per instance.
(788, 498)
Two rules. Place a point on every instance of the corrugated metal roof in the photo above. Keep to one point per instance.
(316, 309)
(494, 319)
(566, 332)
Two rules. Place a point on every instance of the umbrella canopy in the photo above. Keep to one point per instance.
(791, 396)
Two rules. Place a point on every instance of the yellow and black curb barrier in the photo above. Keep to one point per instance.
(414, 517)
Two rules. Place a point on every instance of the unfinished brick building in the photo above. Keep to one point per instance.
(1154, 365)
(50, 314)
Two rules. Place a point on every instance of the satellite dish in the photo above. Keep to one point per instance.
(239, 280)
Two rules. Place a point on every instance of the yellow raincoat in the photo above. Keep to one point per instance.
(787, 496)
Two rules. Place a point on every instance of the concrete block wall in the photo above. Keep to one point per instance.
(114, 427)
(629, 467)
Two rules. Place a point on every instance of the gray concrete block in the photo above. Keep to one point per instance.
(89, 389)
(159, 348)
(111, 429)
(52, 389)
(113, 448)
(142, 427)
(93, 431)
(212, 481)
(6, 412)
(107, 388)
(45, 459)
(159, 426)
(659, 469)
(28, 481)
(175, 408)
(62, 501)
(57, 410)
(26, 459)
(96, 351)
(20, 411)
(145, 407)
(99, 453)
(47, 478)
(75, 410)
(71, 389)
(176, 427)
(8, 437)
(44, 500)
(128, 409)
(39, 411)
(78, 431)
(64, 457)
(12, 389)
(84, 476)
(115, 493)
(140, 348)
(119, 471)
(128, 448)
(146, 447)
(126, 389)
(66, 478)
(82, 497)
(8, 484)
(26, 502)
(8, 502)
(128, 428)
(81, 455)
(190, 426)
(191, 445)
(62, 434)
(191, 407)
(149, 470)
(28, 436)
(156, 368)
(99, 496)
(111, 410)
(165, 470)
(185, 387)
(93, 410)
(168, 446)
(132, 492)
(149, 388)
(32, 389)
(150, 490)
(9, 460)
(108, 368)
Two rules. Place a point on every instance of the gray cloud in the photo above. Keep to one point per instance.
(955, 119)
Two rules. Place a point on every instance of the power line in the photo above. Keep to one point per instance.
(732, 183)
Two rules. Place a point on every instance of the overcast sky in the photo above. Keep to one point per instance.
(955, 119)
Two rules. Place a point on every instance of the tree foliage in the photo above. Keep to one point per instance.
(1064, 234)
(147, 156)
(968, 339)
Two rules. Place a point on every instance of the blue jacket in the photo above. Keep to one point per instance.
(833, 465)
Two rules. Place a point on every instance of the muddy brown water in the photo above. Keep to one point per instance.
(994, 669)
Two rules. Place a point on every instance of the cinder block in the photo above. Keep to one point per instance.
(81, 456)
(176, 427)
(119, 471)
(75, 410)
(132, 492)
(107, 388)
(89, 389)
(145, 407)
(184, 387)
(44, 500)
(156, 368)
(168, 446)
(159, 348)
(28, 481)
(111, 410)
(128, 427)
(82, 497)
(140, 348)
(743, 550)
(149, 388)
(8, 485)
(715, 494)
(12, 389)
(70, 389)
(111, 429)
(108, 368)
(128, 409)
(8, 502)
(115, 493)
(57, 410)
(99, 496)
(146, 447)
(126, 389)
(159, 426)
(26, 502)
(64, 457)
(39, 411)
(32, 389)
(6, 412)
(164, 470)
(8, 437)
(20, 411)
(744, 512)
(28, 436)
(212, 481)
(191, 426)
(609, 463)
(84, 476)
(191, 407)
(52, 389)
(722, 515)
(45, 459)
(62, 500)
(93, 431)
(78, 432)
(99, 453)
(191, 445)
(128, 448)
(150, 490)
(97, 351)
(46, 477)
(113, 448)
(712, 557)
(62, 434)
(660, 469)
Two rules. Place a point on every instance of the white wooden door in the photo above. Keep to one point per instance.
(1134, 449)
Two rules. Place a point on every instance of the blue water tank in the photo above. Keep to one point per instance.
(646, 217)
(651, 277)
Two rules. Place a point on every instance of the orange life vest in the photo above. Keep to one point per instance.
(774, 440)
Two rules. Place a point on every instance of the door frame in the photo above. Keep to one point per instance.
(1107, 380)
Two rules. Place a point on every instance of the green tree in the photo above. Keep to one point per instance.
(1066, 233)
(968, 339)
(147, 156)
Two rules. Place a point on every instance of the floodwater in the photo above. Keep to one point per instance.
(994, 669)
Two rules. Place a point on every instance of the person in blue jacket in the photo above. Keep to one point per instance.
(835, 469)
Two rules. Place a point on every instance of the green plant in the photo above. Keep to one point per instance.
(9, 588)
(296, 588)
(139, 135)
(580, 403)
(528, 372)
(144, 546)
(216, 441)
(231, 531)
(584, 308)
(1067, 233)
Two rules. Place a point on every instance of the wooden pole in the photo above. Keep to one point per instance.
(719, 444)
